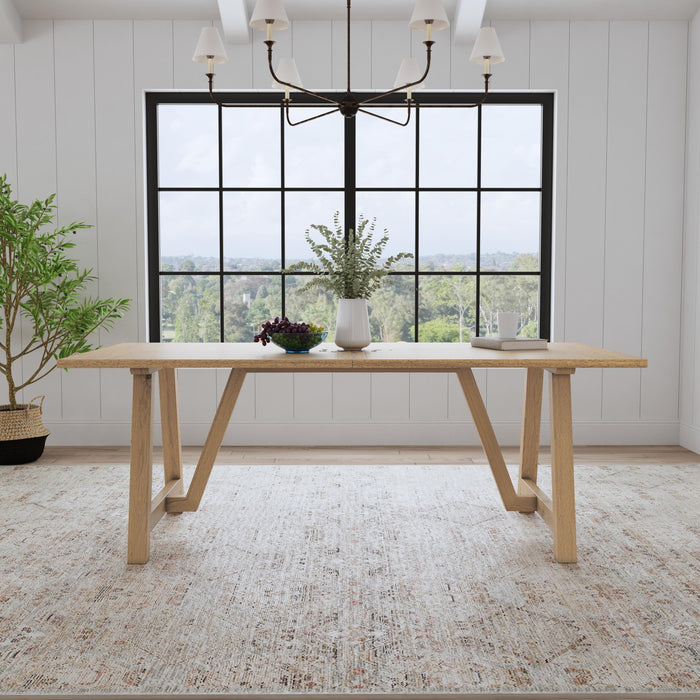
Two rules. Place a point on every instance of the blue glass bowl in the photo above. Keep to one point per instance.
(298, 342)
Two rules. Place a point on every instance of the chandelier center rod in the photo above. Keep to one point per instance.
(348, 30)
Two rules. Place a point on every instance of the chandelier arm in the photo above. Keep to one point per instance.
(214, 98)
(292, 85)
(386, 119)
(401, 88)
(303, 121)
(485, 95)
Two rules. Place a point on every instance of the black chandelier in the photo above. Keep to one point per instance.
(270, 15)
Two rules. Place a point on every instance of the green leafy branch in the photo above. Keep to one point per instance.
(40, 283)
(350, 268)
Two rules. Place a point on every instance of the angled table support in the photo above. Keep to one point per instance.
(145, 360)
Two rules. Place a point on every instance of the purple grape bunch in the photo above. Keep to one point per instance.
(283, 326)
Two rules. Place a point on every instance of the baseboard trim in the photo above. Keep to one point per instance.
(417, 433)
(689, 437)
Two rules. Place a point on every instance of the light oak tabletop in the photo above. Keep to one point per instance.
(327, 357)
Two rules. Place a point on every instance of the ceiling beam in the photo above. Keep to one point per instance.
(10, 23)
(469, 14)
(234, 21)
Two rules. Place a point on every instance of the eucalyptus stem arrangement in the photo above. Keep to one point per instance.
(349, 267)
(42, 285)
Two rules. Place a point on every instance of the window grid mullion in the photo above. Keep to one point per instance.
(350, 189)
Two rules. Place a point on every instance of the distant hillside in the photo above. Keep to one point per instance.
(194, 263)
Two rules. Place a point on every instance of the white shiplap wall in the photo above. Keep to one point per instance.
(690, 326)
(71, 122)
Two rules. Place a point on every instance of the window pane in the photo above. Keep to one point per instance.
(189, 309)
(314, 306)
(189, 228)
(448, 147)
(303, 209)
(385, 152)
(248, 301)
(511, 152)
(252, 231)
(314, 151)
(513, 293)
(251, 147)
(447, 309)
(447, 230)
(394, 211)
(188, 154)
(391, 310)
(510, 231)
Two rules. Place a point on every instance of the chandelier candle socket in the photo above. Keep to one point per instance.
(270, 15)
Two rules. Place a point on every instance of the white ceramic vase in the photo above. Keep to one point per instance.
(352, 324)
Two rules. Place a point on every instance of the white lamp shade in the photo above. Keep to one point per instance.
(426, 10)
(210, 44)
(409, 72)
(287, 71)
(487, 44)
(269, 9)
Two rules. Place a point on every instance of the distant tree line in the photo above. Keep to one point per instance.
(191, 304)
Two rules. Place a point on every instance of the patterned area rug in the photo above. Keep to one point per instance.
(349, 580)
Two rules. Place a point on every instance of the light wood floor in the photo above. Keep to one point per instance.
(639, 454)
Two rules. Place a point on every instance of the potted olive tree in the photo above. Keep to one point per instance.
(43, 290)
(350, 267)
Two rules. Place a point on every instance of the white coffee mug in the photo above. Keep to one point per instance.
(507, 324)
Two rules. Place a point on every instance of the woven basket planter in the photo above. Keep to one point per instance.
(22, 433)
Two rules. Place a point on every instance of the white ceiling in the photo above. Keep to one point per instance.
(361, 9)
(466, 15)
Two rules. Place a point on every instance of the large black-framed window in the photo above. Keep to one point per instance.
(231, 191)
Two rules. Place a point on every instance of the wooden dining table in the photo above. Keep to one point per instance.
(146, 360)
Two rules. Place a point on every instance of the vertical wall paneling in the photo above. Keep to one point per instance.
(197, 391)
(75, 174)
(691, 235)
(391, 42)
(313, 396)
(35, 112)
(351, 396)
(514, 72)
(98, 170)
(549, 70)
(8, 127)
(361, 55)
(311, 48)
(245, 406)
(153, 69)
(274, 397)
(8, 123)
(624, 216)
(116, 195)
(585, 207)
(116, 171)
(237, 73)
(504, 395)
(428, 396)
(690, 321)
(390, 396)
(457, 408)
(36, 157)
(663, 225)
(693, 223)
(463, 74)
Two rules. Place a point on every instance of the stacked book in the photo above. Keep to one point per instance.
(495, 343)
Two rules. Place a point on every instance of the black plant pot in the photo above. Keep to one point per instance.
(22, 451)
